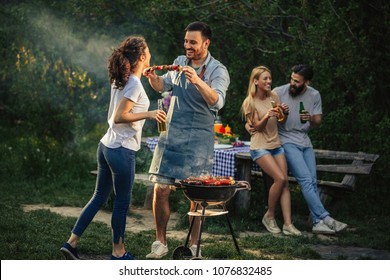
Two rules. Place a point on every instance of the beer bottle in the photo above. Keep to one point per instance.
(302, 111)
(281, 116)
(163, 125)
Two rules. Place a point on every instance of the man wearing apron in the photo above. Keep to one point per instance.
(186, 148)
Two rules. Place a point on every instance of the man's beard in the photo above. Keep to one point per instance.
(295, 91)
(193, 55)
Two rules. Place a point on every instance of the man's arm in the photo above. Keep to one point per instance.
(249, 128)
(208, 94)
(315, 121)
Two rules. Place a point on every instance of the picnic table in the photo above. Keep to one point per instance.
(337, 173)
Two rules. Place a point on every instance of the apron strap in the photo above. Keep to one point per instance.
(188, 62)
(202, 73)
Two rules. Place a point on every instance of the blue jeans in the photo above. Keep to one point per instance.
(116, 171)
(301, 163)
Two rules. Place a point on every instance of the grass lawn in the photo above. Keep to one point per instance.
(38, 235)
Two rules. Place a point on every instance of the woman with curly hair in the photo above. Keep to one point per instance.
(116, 151)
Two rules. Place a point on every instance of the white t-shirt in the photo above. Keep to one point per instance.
(293, 131)
(127, 135)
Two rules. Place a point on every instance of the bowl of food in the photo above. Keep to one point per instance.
(224, 138)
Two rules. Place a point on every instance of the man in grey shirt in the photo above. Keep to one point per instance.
(298, 147)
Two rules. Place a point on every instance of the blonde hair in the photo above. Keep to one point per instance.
(248, 103)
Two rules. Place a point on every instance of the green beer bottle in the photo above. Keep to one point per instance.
(302, 110)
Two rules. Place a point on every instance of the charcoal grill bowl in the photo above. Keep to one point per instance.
(212, 194)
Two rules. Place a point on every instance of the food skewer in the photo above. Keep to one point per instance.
(165, 68)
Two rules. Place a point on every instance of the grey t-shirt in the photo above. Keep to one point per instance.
(293, 131)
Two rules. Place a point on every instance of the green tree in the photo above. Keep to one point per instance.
(62, 91)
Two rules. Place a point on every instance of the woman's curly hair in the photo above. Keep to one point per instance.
(124, 60)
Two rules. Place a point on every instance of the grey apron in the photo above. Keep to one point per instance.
(187, 147)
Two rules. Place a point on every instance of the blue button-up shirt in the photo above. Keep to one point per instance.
(215, 76)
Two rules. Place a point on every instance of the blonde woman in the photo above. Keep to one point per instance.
(266, 150)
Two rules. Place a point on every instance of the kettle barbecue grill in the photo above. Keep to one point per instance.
(204, 196)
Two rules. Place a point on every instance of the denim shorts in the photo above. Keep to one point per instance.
(256, 154)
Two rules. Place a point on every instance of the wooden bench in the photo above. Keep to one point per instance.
(337, 172)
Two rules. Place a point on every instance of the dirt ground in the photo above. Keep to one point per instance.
(142, 219)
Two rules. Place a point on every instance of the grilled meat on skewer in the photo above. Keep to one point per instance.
(165, 68)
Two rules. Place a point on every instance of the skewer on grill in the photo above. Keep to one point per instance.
(210, 180)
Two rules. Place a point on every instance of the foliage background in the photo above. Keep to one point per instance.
(54, 90)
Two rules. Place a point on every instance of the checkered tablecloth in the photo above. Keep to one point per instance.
(151, 143)
(224, 159)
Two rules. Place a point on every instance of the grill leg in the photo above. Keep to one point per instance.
(204, 205)
(191, 225)
(232, 233)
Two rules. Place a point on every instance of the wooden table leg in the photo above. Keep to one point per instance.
(243, 173)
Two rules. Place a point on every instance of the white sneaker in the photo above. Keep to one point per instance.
(291, 230)
(322, 228)
(336, 225)
(270, 224)
(193, 251)
(159, 250)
